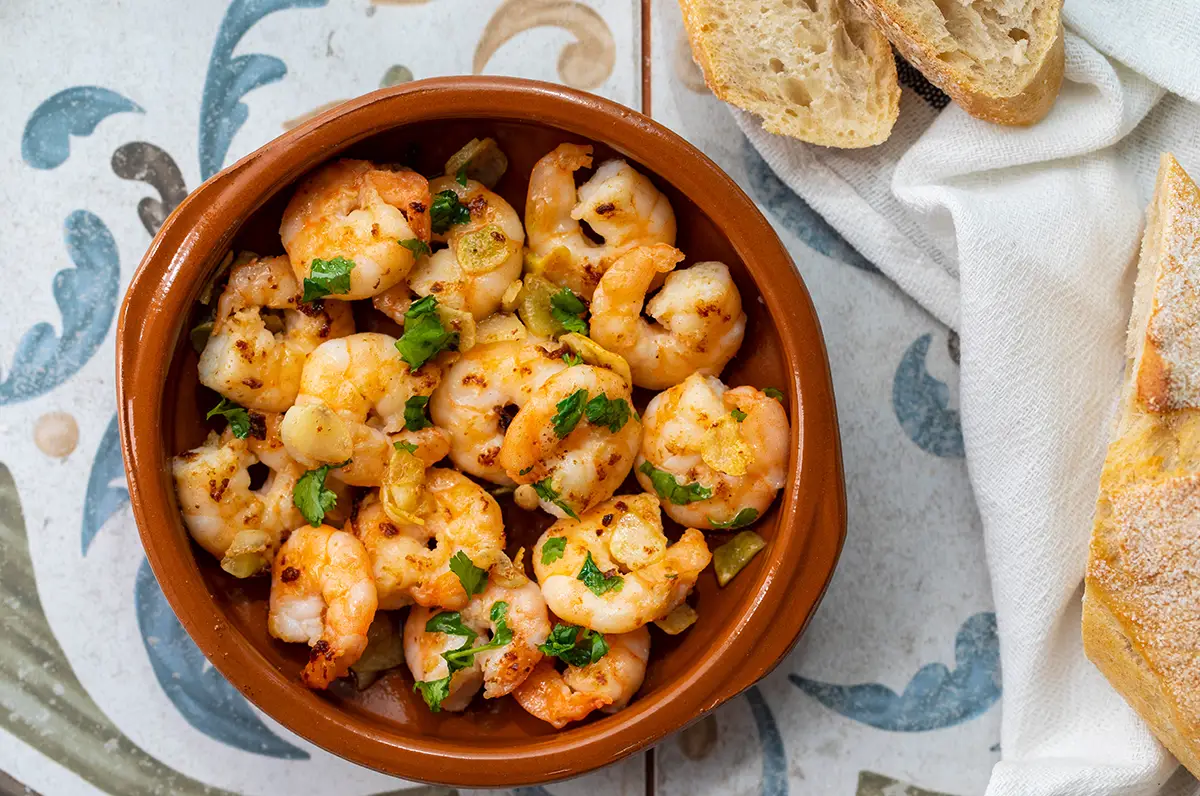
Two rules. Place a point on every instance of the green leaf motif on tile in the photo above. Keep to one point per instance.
(54, 713)
(872, 784)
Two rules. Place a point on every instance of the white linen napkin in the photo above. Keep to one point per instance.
(1024, 240)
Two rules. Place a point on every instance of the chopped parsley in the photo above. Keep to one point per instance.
(771, 392)
(461, 176)
(553, 549)
(434, 691)
(546, 492)
(738, 415)
(327, 277)
(414, 413)
(575, 646)
(238, 417)
(570, 412)
(669, 489)
(472, 578)
(450, 623)
(311, 496)
(406, 446)
(597, 582)
(572, 359)
(568, 309)
(740, 520)
(417, 246)
(446, 211)
(424, 336)
(604, 412)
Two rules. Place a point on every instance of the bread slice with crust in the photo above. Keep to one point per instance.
(1141, 604)
(1001, 60)
(815, 70)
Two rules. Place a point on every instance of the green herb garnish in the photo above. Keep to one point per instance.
(740, 520)
(553, 549)
(461, 176)
(669, 489)
(570, 411)
(472, 578)
(446, 211)
(424, 336)
(401, 445)
(310, 495)
(415, 245)
(597, 582)
(604, 412)
(326, 278)
(738, 415)
(414, 413)
(575, 646)
(572, 359)
(434, 691)
(237, 416)
(546, 492)
(568, 309)
(771, 392)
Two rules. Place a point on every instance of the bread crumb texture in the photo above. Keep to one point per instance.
(816, 70)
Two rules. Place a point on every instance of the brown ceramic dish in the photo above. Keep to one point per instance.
(744, 630)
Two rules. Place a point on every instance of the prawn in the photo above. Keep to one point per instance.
(262, 334)
(616, 571)
(240, 526)
(351, 406)
(698, 319)
(557, 438)
(423, 652)
(618, 203)
(482, 392)
(322, 594)
(607, 684)
(356, 210)
(411, 561)
(728, 471)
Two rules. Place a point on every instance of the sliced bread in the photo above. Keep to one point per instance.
(1001, 60)
(816, 70)
(1141, 603)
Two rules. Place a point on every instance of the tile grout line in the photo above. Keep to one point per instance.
(645, 26)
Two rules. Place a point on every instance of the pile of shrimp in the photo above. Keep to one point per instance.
(364, 472)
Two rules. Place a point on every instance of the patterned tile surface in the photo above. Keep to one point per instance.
(120, 109)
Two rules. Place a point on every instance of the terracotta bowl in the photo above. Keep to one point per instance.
(745, 629)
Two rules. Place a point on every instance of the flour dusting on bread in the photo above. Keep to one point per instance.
(1141, 616)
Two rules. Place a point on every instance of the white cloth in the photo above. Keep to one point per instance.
(1024, 240)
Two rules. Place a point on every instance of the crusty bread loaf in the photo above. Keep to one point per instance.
(816, 70)
(1001, 60)
(1141, 604)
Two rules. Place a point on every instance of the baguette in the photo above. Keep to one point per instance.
(1141, 603)
(1001, 60)
(815, 70)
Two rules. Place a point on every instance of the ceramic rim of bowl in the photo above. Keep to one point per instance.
(801, 555)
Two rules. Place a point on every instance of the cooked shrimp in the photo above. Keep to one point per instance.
(587, 463)
(698, 317)
(351, 406)
(525, 616)
(621, 205)
(322, 594)
(240, 526)
(617, 571)
(359, 211)
(608, 684)
(692, 435)
(458, 516)
(423, 652)
(262, 335)
(482, 392)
